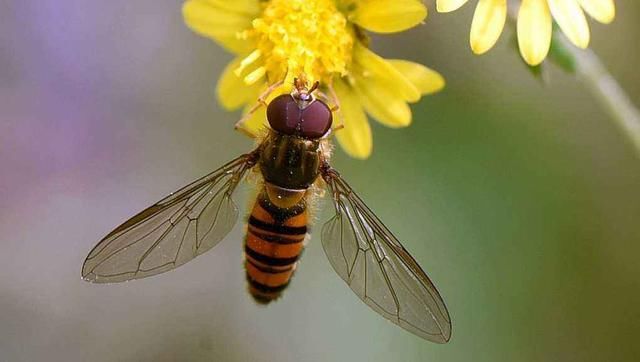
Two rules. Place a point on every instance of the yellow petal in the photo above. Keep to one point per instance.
(372, 65)
(220, 21)
(384, 16)
(355, 137)
(382, 103)
(426, 80)
(534, 30)
(603, 11)
(570, 18)
(487, 25)
(245, 7)
(445, 6)
(232, 91)
(282, 89)
(256, 123)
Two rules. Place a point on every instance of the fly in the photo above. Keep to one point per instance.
(294, 162)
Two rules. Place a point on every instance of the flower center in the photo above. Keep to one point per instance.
(294, 38)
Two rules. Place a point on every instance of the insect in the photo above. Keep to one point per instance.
(293, 160)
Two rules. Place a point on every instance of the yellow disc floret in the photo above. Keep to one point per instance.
(298, 37)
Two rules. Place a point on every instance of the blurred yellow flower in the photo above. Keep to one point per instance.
(534, 24)
(321, 40)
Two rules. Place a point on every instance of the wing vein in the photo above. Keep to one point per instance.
(153, 240)
(399, 289)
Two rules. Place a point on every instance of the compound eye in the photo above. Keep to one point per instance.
(316, 120)
(283, 114)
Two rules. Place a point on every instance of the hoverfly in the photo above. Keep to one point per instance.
(293, 161)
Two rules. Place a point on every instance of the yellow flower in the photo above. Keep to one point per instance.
(321, 40)
(534, 24)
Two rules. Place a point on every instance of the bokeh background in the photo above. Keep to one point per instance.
(520, 199)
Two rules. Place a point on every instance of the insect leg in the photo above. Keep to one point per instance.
(335, 105)
(262, 101)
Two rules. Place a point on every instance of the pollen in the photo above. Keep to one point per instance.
(295, 38)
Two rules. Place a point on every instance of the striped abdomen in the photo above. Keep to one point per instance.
(274, 242)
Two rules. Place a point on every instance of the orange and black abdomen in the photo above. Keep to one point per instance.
(274, 242)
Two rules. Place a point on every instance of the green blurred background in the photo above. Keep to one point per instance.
(520, 199)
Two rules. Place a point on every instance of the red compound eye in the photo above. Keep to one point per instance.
(283, 114)
(286, 116)
(316, 120)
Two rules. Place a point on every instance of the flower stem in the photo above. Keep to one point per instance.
(592, 72)
(606, 89)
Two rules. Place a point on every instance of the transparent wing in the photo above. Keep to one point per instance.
(378, 268)
(171, 232)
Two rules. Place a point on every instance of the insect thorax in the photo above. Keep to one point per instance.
(290, 162)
